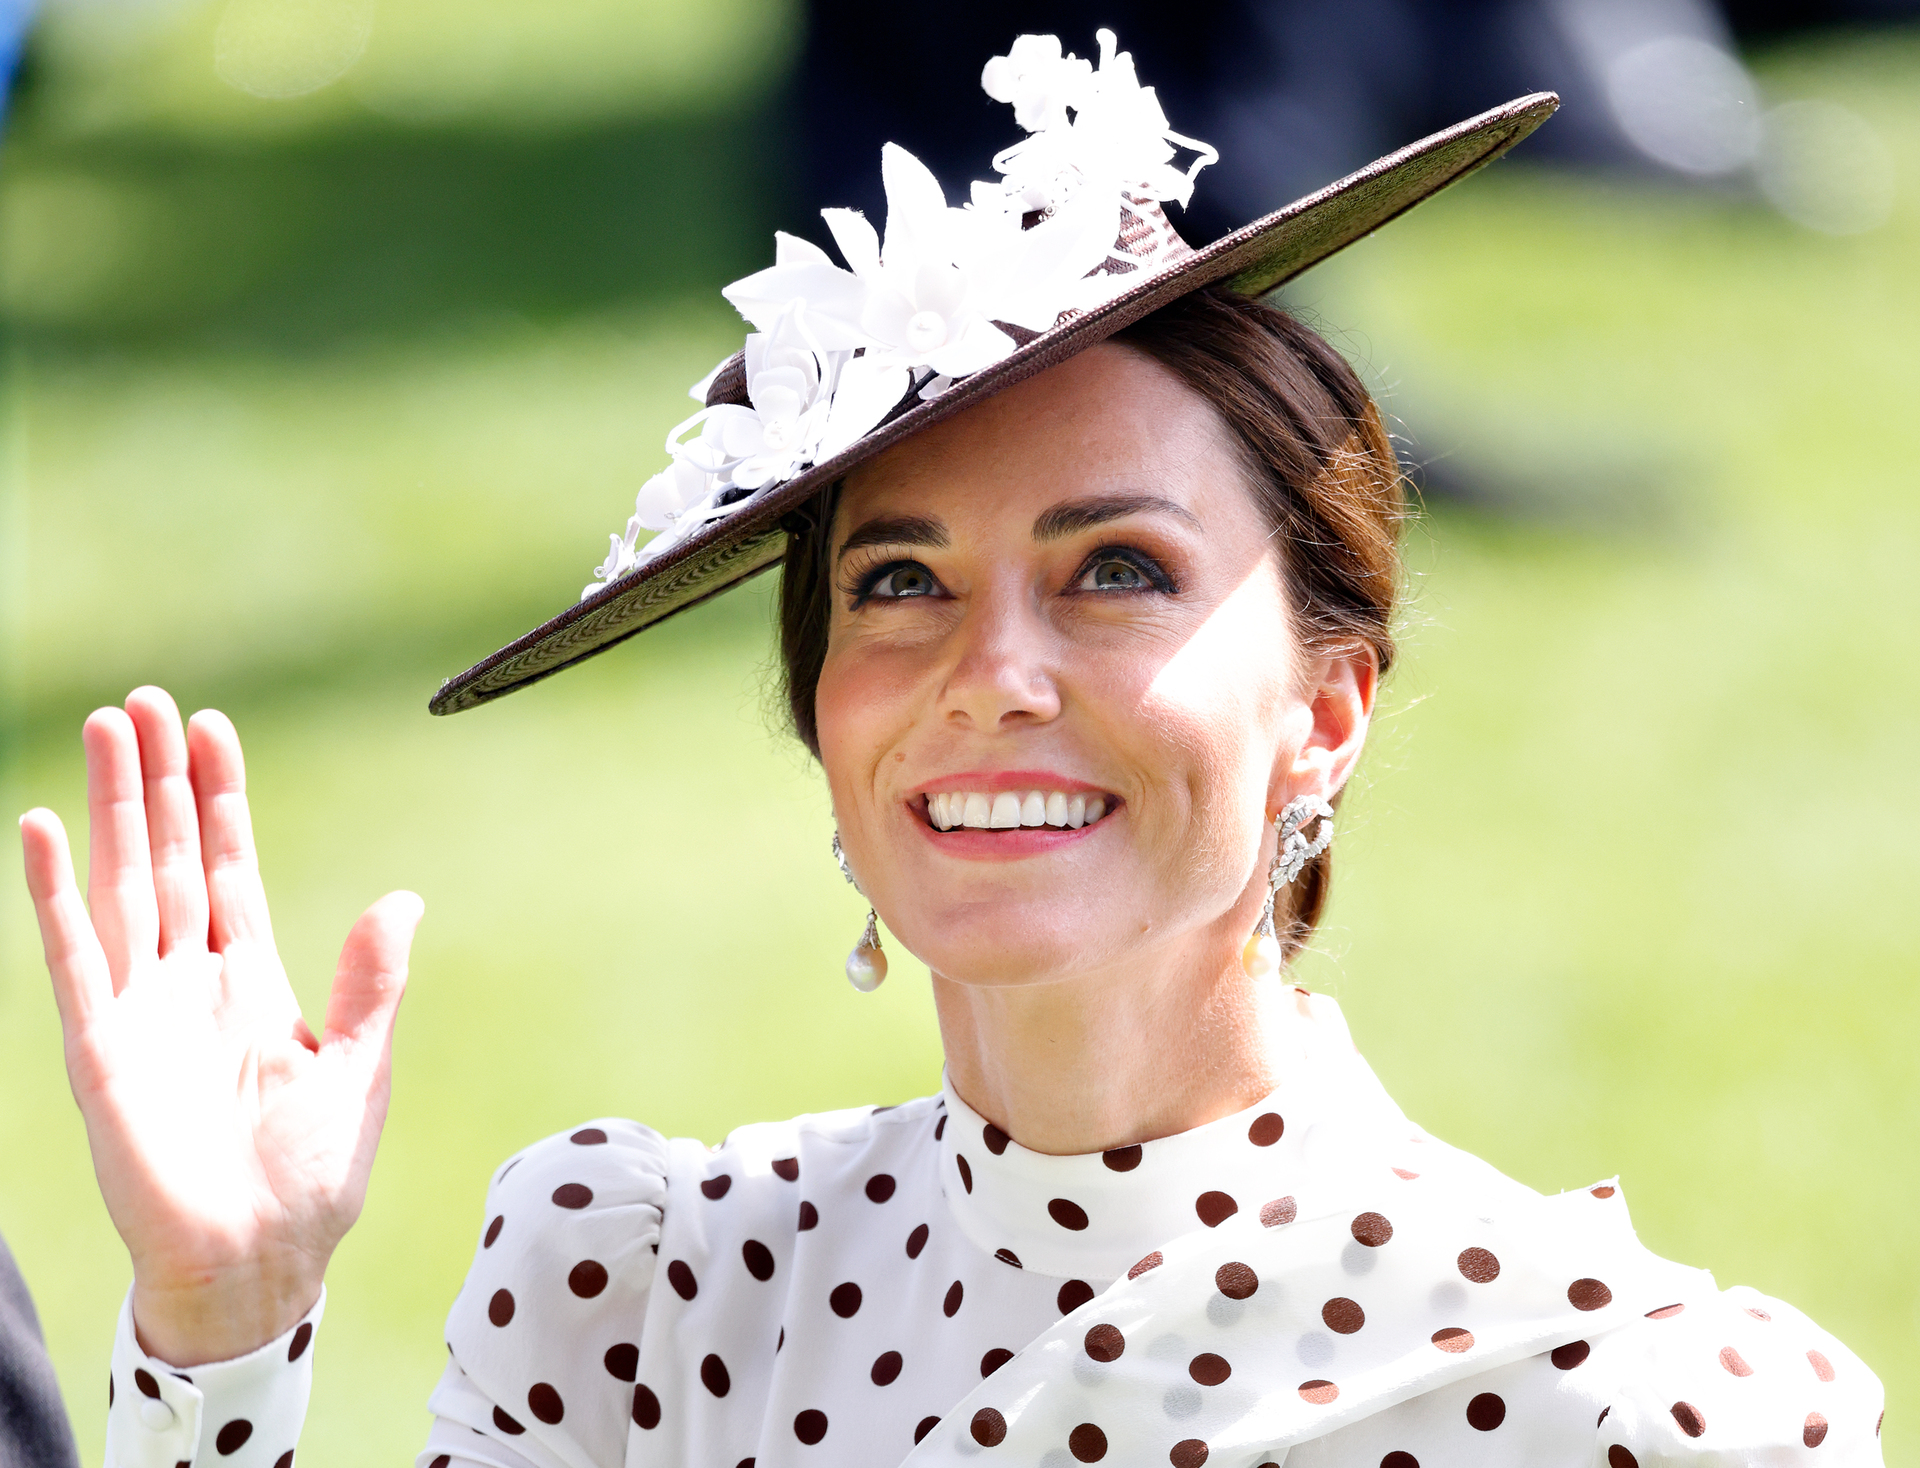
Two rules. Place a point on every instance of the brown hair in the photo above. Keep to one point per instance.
(1318, 457)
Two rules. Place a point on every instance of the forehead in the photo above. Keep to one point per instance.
(1109, 419)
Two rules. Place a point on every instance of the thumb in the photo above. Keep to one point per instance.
(373, 972)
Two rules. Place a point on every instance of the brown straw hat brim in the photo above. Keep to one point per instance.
(1250, 261)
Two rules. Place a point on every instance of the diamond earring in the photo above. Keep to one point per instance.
(1291, 853)
(866, 965)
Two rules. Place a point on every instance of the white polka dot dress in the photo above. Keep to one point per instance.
(1312, 1283)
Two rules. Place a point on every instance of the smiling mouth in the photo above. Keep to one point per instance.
(1011, 810)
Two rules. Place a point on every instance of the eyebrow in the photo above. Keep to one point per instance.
(896, 530)
(1069, 517)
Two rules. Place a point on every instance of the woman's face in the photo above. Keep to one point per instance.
(1061, 600)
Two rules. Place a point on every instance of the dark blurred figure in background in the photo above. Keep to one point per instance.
(1296, 91)
(34, 1432)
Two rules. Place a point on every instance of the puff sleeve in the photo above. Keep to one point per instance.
(545, 1333)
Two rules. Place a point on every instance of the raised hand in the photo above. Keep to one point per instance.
(232, 1147)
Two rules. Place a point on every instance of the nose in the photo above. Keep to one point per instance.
(1002, 676)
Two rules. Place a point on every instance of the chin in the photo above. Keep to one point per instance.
(1008, 947)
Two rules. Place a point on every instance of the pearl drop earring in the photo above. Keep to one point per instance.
(1291, 853)
(866, 965)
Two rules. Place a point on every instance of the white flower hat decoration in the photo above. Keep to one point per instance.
(942, 307)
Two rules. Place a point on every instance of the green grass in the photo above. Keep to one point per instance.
(309, 403)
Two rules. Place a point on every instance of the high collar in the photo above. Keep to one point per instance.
(1094, 1216)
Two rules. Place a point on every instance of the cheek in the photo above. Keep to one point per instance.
(860, 707)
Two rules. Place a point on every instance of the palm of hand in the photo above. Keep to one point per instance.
(231, 1146)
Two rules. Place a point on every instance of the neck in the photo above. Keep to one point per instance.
(1108, 1058)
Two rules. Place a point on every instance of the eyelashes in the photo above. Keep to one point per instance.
(1111, 570)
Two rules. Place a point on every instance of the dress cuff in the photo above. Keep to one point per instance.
(243, 1413)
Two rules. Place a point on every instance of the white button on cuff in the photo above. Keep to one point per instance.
(156, 1415)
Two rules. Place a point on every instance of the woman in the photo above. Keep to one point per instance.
(1089, 574)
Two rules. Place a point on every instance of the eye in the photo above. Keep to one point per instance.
(898, 581)
(1119, 569)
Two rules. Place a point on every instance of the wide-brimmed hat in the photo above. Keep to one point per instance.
(1069, 246)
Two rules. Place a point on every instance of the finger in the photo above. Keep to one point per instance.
(373, 974)
(173, 824)
(236, 902)
(119, 866)
(82, 982)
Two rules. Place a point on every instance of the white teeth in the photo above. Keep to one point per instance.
(1011, 809)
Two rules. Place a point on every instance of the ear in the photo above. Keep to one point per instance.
(1339, 697)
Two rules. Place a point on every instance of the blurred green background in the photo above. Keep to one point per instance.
(312, 398)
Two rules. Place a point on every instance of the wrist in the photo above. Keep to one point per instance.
(219, 1315)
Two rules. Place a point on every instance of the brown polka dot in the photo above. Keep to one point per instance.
(646, 1408)
(1087, 1443)
(500, 1307)
(1399, 1460)
(714, 1375)
(1105, 1343)
(1067, 1213)
(994, 1360)
(1478, 1265)
(955, 1293)
(916, 1241)
(1815, 1431)
(787, 1169)
(572, 1195)
(1279, 1211)
(1570, 1355)
(544, 1402)
(1453, 1339)
(966, 1173)
(1073, 1294)
(587, 1278)
(680, 1276)
(716, 1187)
(926, 1424)
(810, 1426)
(988, 1427)
(1343, 1316)
(781, 1344)
(1122, 1159)
(1588, 1294)
(1692, 1421)
(1665, 1312)
(1318, 1392)
(1734, 1362)
(886, 1369)
(744, 1463)
(1188, 1454)
(1822, 1367)
(622, 1361)
(493, 1231)
(1208, 1369)
(1372, 1230)
(109, 1389)
(1758, 1314)
(1602, 1417)
(233, 1436)
(1880, 1422)
(441, 1460)
(1404, 1175)
(285, 1460)
(1215, 1208)
(1267, 1129)
(143, 1379)
(880, 1187)
(1605, 1190)
(1486, 1411)
(1235, 1280)
(302, 1338)
(809, 1216)
(995, 1139)
(1619, 1457)
(507, 1424)
(1152, 1261)
(588, 1136)
(845, 1300)
(758, 1258)
(1007, 1256)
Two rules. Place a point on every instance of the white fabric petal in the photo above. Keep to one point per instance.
(869, 388)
